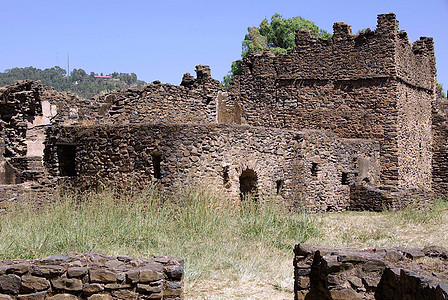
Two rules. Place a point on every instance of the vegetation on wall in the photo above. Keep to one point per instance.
(277, 36)
(79, 82)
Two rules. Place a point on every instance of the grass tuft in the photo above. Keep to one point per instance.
(227, 249)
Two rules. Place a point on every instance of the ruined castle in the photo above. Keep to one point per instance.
(350, 123)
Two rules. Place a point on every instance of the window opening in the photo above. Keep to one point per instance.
(226, 177)
(156, 159)
(344, 179)
(248, 184)
(67, 160)
(314, 169)
(279, 185)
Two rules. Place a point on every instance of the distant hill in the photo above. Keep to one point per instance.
(79, 82)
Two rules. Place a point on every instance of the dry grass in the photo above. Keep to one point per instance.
(230, 253)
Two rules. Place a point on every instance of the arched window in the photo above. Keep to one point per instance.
(248, 184)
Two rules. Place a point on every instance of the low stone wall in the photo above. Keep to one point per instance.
(92, 276)
(383, 273)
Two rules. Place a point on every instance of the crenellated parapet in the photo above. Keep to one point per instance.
(382, 53)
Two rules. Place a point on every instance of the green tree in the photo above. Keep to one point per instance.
(278, 36)
(78, 82)
(440, 86)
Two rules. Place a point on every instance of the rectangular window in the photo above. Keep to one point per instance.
(67, 160)
(156, 159)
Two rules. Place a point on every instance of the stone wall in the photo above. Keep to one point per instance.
(357, 86)
(310, 168)
(92, 276)
(383, 273)
(440, 145)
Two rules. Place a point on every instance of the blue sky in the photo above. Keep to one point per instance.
(161, 40)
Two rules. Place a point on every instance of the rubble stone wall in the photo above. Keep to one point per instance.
(92, 276)
(310, 168)
(192, 102)
(357, 86)
(323, 273)
(440, 145)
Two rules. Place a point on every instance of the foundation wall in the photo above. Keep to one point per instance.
(92, 276)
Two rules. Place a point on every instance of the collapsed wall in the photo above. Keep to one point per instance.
(92, 276)
(323, 273)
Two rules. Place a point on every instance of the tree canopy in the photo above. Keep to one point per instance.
(440, 86)
(278, 36)
(79, 82)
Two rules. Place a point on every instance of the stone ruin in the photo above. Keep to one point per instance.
(93, 276)
(350, 123)
(325, 273)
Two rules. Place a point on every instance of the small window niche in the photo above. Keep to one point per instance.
(67, 160)
(226, 177)
(279, 185)
(345, 179)
(156, 160)
(314, 169)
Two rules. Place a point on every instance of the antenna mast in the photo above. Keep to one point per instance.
(68, 64)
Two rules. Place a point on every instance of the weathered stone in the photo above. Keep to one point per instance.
(33, 296)
(100, 297)
(10, 283)
(102, 276)
(345, 294)
(133, 276)
(76, 272)
(91, 288)
(146, 288)
(18, 269)
(33, 283)
(117, 286)
(125, 295)
(48, 271)
(69, 284)
(174, 272)
(5, 297)
(149, 275)
(374, 265)
(63, 297)
(435, 251)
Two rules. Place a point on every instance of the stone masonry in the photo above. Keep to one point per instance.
(93, 276)
(383, 273)
(344, 123)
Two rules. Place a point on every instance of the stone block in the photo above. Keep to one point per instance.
(68, 284)
(146, 288)
(91, 288)
(125, 295)
(102, 276)
(100, 297)
(133, 276)
(174, 272)
(34, 283)
(63, 297)
(76, 272)
(33, 296)
(148, 275)
(10, 283)
(19, 269)
(47, 271)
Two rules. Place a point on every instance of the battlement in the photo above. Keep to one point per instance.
(381, 53)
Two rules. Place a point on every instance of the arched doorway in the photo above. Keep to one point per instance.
(248, 184)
